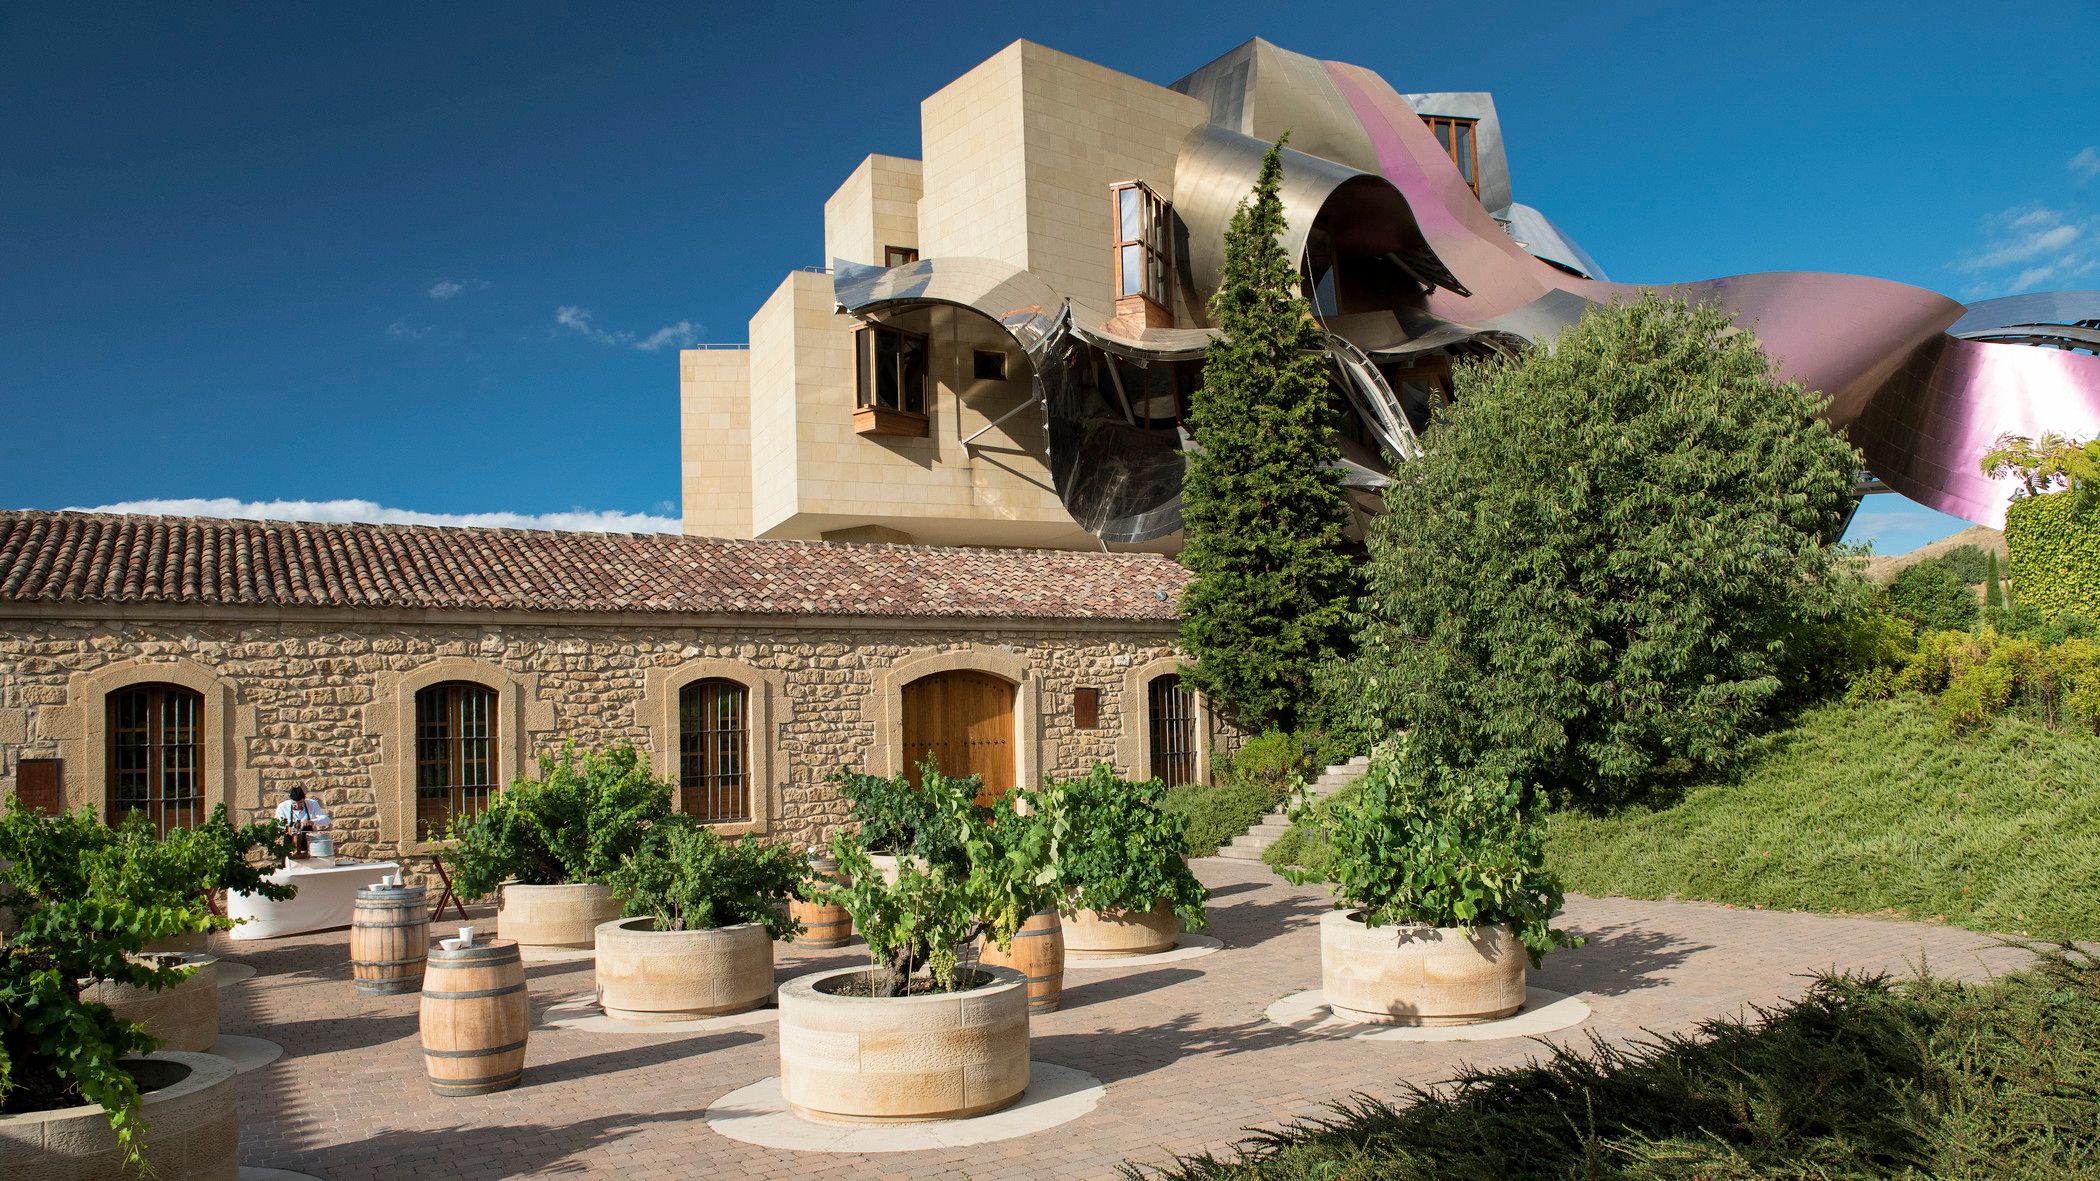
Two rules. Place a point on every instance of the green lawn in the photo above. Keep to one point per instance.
(1873, 809)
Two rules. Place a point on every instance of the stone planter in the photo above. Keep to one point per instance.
(188, 943)
(567, 915)
(1417, 975)
(193, 1128)
(886, 865)
(185, 1017)
(1107, 934)
(860, 1060)
(649, 975)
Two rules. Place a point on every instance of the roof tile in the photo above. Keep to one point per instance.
(70, 557)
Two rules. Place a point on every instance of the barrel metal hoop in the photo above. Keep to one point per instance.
(386, 963)
(357, 926)
(477, 994)
(519, 1045)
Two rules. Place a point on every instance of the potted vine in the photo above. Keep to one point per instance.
(702, 917)
(550, 845)
(231, 859)
(899, 822)
(80, 1094)
(924, 1032)
(1123, 868)
(1442, 894)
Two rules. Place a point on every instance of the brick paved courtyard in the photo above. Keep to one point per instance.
(1183, 1049)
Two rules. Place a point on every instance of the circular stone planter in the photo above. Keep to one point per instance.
(1418, 975)
(189, 942)
(1107, 934)
(567, 915)
(862, 1060)
(649, 975)
(193, 1128)
(185, 1017)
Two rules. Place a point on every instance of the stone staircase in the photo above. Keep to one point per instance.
(1248, 845)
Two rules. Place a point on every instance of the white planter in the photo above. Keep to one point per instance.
(185, 1017)
(1418, 975)
(1109, 934)
(567, 915)
(649, 975)
(193, 1130)
(852, 1059)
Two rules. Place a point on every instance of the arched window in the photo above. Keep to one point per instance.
(156, 744)
(455, 754)
(714, 751)
(1172, 713)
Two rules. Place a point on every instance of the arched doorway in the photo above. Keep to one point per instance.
(965, 718)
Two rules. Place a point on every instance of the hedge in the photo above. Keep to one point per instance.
(2055, 555)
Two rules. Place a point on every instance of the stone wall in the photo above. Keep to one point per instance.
(310, 702)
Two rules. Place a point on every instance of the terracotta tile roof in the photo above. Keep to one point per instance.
(96, 558)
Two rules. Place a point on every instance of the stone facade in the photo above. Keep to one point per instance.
(316, 698)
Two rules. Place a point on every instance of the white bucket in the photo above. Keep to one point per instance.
(320, 845)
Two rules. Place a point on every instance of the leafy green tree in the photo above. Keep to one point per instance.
(1593, 579)
(1969, 562)
(1262, 499)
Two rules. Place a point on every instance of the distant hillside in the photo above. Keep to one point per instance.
(1884, 570)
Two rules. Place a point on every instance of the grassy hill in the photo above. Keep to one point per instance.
(1873, 809)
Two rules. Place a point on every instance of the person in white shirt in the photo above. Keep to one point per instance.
(301, 816)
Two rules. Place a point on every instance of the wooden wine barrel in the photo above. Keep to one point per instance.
(1039, 956)
(474, 1017)
(822, 925)
(389, 940)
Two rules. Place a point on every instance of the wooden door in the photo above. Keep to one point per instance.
(966, 720)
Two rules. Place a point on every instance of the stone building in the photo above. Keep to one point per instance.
(403, 673)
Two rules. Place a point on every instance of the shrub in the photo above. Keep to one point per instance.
(575, 823)
(1275, 761)
(901, 820)
(1443, 848)
(87, 900)
(688, 878)
(1121, 850)
(999, 875)
(1216, 815)
(1591, 580)
(1932, 597)
(1970, 563)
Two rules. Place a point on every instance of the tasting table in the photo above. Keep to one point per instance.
(327, 888)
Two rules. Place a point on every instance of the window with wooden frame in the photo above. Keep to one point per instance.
(155, 757)
(455, 755)
(1460, 143)
(897, 256)
(1144, 250)
(890, 374)
(1171, 710)
(714, 751)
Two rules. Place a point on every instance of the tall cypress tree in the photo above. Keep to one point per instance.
(1261, 499)
(1993, 592)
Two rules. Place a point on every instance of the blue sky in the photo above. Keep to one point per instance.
(441, 257)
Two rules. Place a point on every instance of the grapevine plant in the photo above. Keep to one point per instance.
(1440, 847)
(1121, 851)
(974, 872)
(575, 823)
(688, 878)
(87, 899)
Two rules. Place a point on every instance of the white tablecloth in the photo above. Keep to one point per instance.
(326, 894)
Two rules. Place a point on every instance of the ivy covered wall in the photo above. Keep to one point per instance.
(2055, 554)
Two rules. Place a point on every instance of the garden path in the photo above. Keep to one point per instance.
(1187, 1058)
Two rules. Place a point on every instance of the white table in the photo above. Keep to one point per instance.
(326, 895)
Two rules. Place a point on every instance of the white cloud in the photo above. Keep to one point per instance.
(580, 321)
(447, 288)
(2086, 164)
(575, 520)
(2029, 245)
(403, 330)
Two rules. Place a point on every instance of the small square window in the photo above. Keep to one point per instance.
(897, 256)
(990, 365)
(1086, 709)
